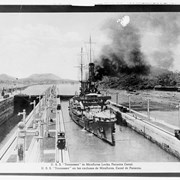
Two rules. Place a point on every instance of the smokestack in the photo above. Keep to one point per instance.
(91, 72)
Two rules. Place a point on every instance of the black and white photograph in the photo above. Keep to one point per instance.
(95, 92)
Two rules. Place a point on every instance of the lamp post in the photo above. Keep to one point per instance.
(179, 113)
(129, 100)
(33, 103)
(16, 84)
(148, 112)
(39, 97)
(24, 114)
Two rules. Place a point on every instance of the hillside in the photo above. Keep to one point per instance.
(157, 76)
(35, 79)
(5, 77)
(42, 77)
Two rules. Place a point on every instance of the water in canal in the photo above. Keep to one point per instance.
(130, 146)
(85, 147)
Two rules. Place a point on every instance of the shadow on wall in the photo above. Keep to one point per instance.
(10, 119)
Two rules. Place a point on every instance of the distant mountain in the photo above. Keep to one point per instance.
(35, 79)
(5, 77)
(42, 77)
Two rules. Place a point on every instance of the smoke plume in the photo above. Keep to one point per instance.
(165, 30)
(123, 54)
(149, 39)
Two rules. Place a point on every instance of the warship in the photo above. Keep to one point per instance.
(89, 109)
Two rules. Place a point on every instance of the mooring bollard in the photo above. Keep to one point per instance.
(21, 142)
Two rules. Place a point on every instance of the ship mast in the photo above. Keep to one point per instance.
(82, 88)
(90, 49)
(81, 66)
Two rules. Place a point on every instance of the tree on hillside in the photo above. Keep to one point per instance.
(167, 79)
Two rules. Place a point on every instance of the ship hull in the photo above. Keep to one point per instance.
(103, 130)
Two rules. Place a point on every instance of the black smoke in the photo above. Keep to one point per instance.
(150, 39)
(123, 54)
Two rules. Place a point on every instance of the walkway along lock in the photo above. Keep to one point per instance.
(21, 145)
(27, 144)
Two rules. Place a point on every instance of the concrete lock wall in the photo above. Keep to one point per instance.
(6, 109)
(13, 105)
(166, 141)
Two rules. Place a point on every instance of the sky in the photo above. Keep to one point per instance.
(47, 42)
(34, 43)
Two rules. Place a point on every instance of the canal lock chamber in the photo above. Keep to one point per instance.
(9, 109)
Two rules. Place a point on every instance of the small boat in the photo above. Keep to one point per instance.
(90, 110)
